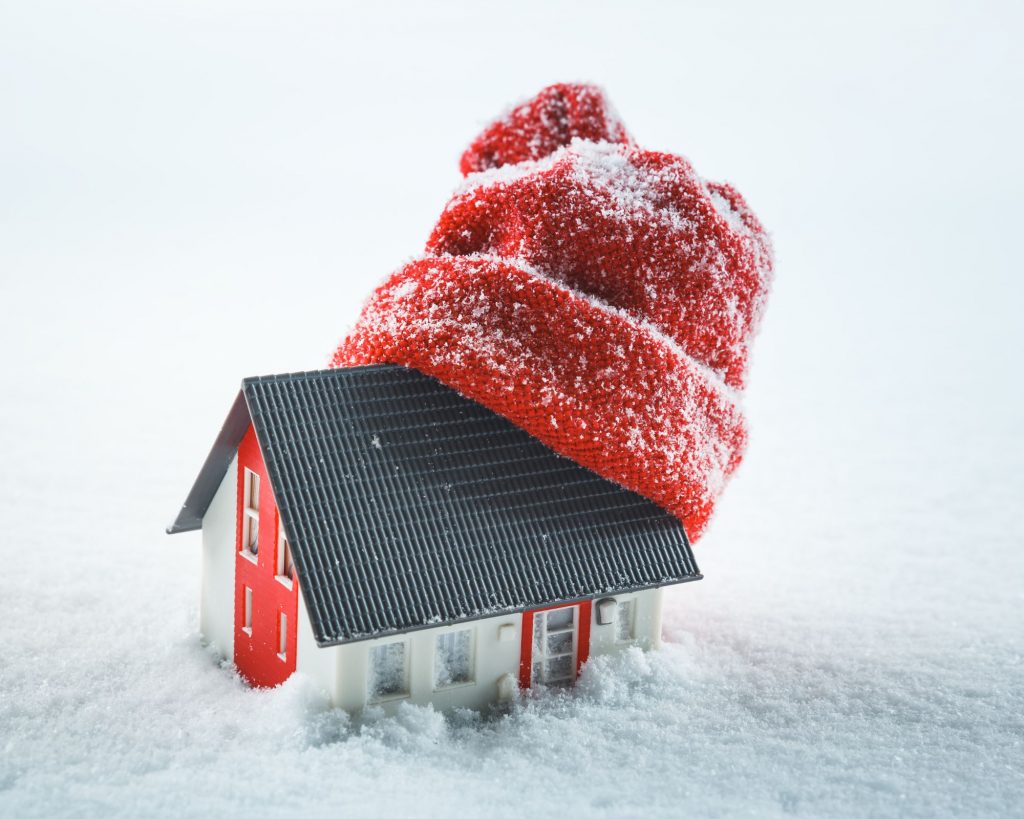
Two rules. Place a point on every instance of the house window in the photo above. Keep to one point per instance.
(282, 635)
(453, 658)
(389, 671)
(251, 514)
(285, 571)
(554, 646)
(624, 621)
(247, 613)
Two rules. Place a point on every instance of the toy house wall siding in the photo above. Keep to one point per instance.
(650, 614)
(321, 664)
(216, 602)
(342, 670)
(646, 624)
(493, 657)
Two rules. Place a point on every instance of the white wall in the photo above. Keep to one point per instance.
(342, 670)
(217, 596)
(319, 663)
(493, 658)
(646, 624)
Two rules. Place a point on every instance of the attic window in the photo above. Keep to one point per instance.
(251, 514)
(388, 671)
(285, 570)
(453, 658)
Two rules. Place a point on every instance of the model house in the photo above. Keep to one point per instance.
(393, 540)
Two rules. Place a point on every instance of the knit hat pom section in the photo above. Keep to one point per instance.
(540, 126)
(600, 296)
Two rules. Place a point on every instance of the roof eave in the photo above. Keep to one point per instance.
(502, 612)
(214, 469)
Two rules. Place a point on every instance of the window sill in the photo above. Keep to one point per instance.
(284, 580)
(247, 630)
(453, 686)
(249, 556)
(387, 698)
(282, 656)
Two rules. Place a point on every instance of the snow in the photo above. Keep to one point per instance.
(179, 210)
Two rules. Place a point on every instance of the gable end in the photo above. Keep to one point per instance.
(214, 469)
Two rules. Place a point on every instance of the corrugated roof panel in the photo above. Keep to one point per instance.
(408, 505)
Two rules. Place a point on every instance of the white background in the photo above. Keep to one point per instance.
(195, 192)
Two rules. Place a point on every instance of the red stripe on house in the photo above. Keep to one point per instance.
(258, 655)
(583, 648)
(526, 650)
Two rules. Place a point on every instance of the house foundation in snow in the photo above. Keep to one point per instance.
(396, 541)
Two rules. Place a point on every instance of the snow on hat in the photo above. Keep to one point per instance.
(542, 125)
(600, 296)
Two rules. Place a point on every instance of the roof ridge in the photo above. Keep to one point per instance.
(309, 375)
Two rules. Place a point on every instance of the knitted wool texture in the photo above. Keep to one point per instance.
(600, 296)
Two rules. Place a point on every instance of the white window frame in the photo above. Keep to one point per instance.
(540, 653)
(630, 612)
(250, 512)
(371, 695)
(282, 636)
(247, 609)
(472, 658)
(280, 561)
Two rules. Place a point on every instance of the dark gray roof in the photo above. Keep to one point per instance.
(408, 505)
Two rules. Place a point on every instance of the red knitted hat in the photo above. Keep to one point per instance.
(600, 296)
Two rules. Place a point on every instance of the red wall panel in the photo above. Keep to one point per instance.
(257, 654)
